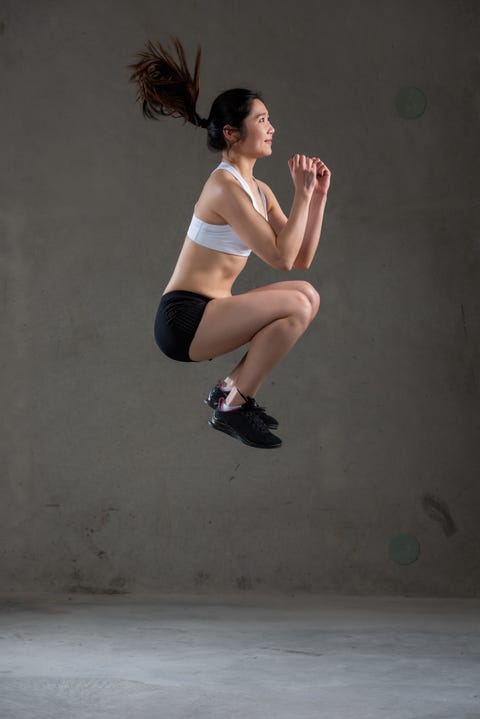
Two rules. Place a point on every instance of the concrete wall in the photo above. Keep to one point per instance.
(112, 480)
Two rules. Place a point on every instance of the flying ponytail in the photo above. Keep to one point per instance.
(165, 85)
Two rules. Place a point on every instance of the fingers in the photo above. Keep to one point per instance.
(320, 165)
(309, 173)
(321, 168)
(298, 160)
(302, 161)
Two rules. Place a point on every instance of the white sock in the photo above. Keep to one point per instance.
(224, 407)
(225, 388)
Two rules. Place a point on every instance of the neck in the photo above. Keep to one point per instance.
(241, 163)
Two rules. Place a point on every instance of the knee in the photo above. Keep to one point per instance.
(315, 301)
(313, 297)
(301, 309)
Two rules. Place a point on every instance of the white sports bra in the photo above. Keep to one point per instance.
(221, 237)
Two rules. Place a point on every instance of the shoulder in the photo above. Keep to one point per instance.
(222, 186)
(224, 178)
(218, 180)
(221, 197)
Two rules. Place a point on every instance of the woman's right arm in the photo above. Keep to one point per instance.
(278, 250)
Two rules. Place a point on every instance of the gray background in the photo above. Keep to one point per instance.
(112, 480)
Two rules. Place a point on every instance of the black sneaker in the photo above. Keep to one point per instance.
(270, 421)
(217, 393)
(246, 425)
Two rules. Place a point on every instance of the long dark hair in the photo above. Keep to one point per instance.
(165, 86)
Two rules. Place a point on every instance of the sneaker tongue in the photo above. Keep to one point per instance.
(253, 404)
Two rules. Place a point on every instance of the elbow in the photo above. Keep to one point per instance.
(302, 262)
(281, 264)
(302, 265)
(284, 266)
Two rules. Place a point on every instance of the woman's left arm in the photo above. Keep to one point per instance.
(315, 217)
(277, 218)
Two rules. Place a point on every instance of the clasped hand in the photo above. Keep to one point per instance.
(309, 174)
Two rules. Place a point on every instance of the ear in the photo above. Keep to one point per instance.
(231, 134)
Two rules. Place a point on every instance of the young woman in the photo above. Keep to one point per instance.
(198, 317)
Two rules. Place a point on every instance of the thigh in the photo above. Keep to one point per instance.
(230, 322)
(297, 286)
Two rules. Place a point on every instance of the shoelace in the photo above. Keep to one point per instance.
(258, 408)
(253, 411)
(253, 417)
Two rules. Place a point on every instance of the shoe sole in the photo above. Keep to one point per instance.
(214, 405)
(230, 431)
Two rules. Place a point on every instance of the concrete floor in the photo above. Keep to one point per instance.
(79, 657)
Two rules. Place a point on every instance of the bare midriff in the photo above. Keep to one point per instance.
(204, 271)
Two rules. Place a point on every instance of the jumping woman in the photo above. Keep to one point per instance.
(198, 317)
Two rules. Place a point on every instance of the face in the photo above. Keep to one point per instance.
(258, 132)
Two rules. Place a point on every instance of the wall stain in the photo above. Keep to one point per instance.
(438, 510)
(244, 583)
(201, 578)
(86, 589)
(118, 582)
(116, 585)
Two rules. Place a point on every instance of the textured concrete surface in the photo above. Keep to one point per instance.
(112, 480)
(189, 658)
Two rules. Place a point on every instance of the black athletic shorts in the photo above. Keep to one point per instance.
(178, 316)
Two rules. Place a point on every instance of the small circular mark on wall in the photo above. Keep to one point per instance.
(404, 549)
(410, 102)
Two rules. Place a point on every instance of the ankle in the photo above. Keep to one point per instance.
(235, 398)
(224, 407)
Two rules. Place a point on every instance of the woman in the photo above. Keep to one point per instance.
(198, 317)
